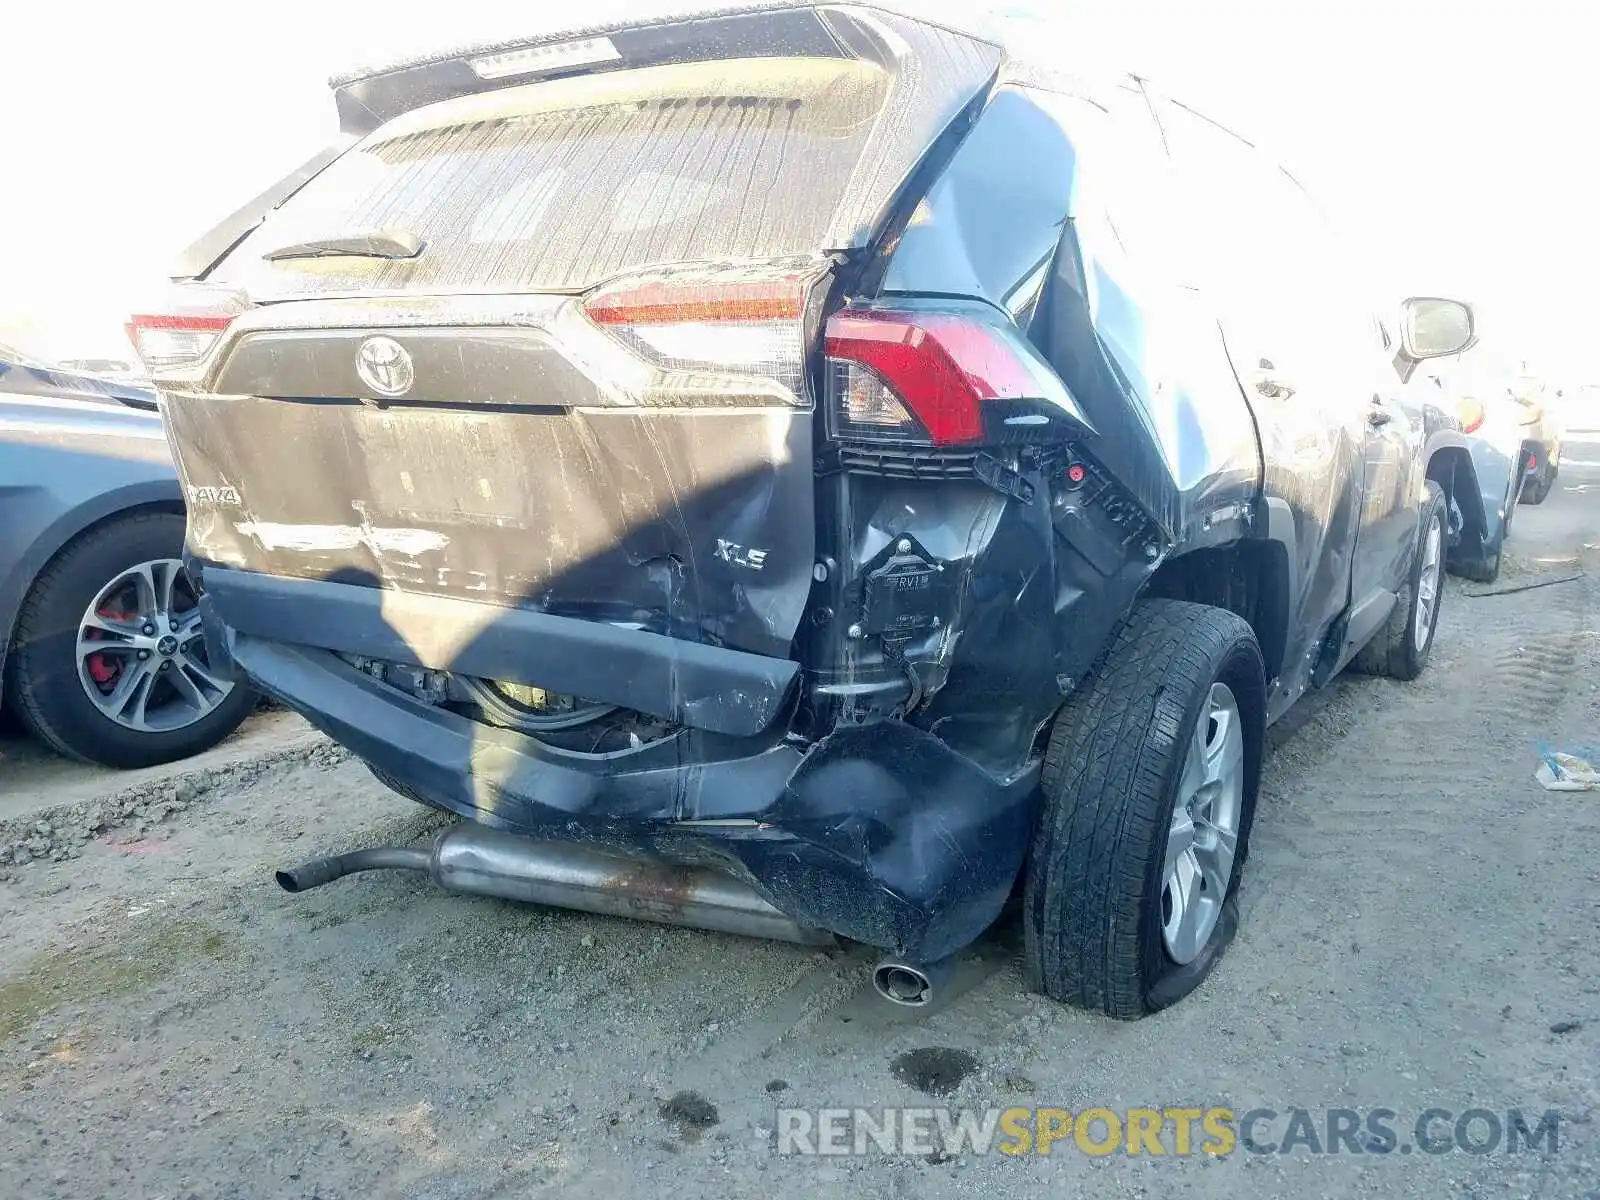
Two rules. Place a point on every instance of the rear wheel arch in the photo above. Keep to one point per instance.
(1249, 577)
(1451, 467)
(62, 536)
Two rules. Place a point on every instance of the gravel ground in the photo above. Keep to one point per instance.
(1418, 930)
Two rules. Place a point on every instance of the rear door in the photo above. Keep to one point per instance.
(587, 389)
(1346, 341)
(1395, 474)
(1300, 353)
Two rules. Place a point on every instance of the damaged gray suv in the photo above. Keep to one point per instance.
(808, 472)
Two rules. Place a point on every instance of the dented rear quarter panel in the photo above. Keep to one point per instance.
(1023, 218)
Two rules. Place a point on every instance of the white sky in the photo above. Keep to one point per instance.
(1457, 140)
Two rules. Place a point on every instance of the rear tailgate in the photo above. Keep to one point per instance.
(520, 480)
(588, 395)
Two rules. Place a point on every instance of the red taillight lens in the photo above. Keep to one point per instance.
(185, 333)
(1471, 414)
(929, 376)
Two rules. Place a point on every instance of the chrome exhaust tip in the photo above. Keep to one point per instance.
(907, 984)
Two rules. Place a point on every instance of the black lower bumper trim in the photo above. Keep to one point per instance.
(709, 687)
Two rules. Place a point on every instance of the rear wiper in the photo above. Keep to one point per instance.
(365, 243)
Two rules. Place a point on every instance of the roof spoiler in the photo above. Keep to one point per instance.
(703, 33)
(201, 254)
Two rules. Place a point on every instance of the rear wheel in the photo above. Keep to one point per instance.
(1149, 791)
(1400, 649)
(1480, 570)
(1535, 490)
(110, 665)
(1537, 486)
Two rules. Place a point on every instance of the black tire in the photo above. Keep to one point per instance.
(1536, 490)
(1393, 650)
(405, 789)
(42, 670)
(1479, 570)
(1092, 900)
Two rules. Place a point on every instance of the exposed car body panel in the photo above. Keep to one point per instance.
(64, 465)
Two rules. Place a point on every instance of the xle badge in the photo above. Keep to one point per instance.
(741, 556)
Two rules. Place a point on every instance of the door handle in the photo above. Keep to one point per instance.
(1266, 382)
(1377, 415)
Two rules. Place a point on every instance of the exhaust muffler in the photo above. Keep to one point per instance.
(486, 862)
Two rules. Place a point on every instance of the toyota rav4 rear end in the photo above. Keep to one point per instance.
(567, 450)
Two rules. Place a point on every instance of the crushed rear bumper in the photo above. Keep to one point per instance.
(879, 832)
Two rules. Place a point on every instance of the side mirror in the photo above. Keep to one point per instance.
(1432, 327)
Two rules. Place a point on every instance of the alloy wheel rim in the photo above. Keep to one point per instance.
(1428, 586)
(1203, 836)
(141, 657)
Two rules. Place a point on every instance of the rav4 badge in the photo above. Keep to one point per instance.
(201, 496)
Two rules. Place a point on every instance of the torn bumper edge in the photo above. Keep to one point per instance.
(878, 833)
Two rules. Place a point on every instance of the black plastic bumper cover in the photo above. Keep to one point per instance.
(879, 833)
(709, 687)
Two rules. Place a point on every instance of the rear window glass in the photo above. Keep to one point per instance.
(558, 186)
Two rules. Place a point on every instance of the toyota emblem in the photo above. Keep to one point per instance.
(385, 366)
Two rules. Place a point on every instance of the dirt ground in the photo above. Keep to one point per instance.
(1419, 924)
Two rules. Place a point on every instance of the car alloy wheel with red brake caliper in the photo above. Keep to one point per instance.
(142, 657)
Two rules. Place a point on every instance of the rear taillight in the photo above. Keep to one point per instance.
(187, 328)
(938, 378)
(1471, 414)
(704, 331)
